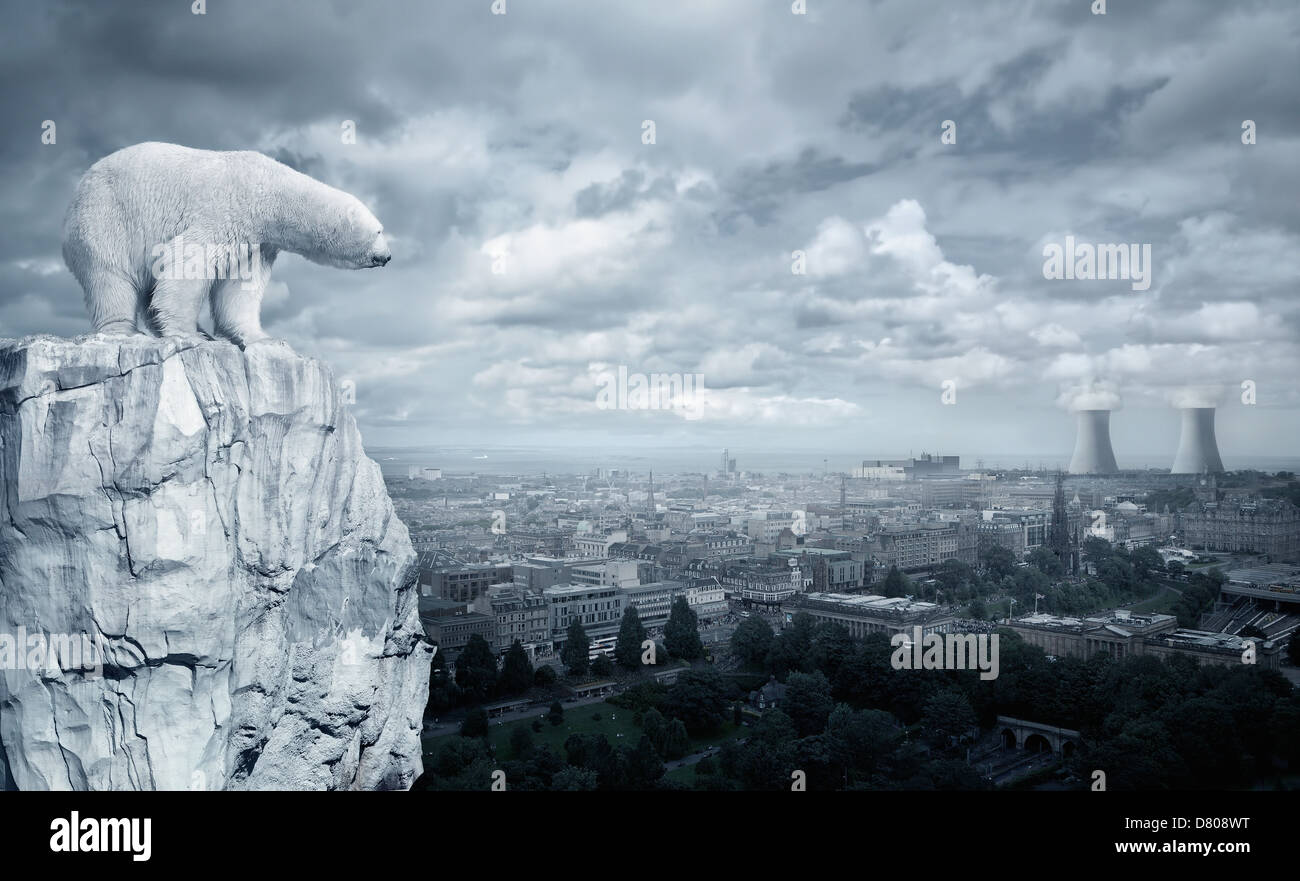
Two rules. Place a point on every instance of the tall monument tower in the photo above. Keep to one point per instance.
(1059, 540)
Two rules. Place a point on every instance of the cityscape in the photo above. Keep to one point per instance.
(766, 598)
(615, 411)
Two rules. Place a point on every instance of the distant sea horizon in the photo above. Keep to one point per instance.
(529, 460)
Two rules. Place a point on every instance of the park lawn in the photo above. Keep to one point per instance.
(684, 774)
(1160, 604)
(578, 720)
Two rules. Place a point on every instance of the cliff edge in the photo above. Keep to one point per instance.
(203, 584)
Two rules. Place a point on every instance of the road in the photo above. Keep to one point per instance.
(453, 726)
(694, 757)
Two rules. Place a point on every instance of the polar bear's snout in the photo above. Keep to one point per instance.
(379, 253)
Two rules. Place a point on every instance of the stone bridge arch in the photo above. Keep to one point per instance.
(1037, 737)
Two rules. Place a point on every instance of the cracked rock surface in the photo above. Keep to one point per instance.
(198, 534)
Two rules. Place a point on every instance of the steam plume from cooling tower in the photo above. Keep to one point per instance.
(1096, 394)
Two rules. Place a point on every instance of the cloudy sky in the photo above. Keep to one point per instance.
(518, 142)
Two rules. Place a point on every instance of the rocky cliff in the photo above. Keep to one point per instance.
(203, 584)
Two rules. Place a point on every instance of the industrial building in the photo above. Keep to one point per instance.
(1198, 450)
(1092, 450)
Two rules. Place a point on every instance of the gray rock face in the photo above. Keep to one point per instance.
(202, 581)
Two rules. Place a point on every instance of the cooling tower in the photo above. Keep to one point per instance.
(1092, 452)
(1198, 451)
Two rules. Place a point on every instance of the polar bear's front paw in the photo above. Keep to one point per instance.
(187, 338)
(120, 328)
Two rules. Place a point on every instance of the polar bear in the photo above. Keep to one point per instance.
(154, 228)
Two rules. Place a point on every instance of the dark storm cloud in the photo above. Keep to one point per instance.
(630, 188)
(759, 193)
(522, 134)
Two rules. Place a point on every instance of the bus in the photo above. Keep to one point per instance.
(602, 646)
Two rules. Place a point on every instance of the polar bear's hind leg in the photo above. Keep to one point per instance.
(176, 305)
(237, 310)
(113, 303)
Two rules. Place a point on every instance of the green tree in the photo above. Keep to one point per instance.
(947, 715)
(521, 742)
(792, 647)
(556, 715)
(544, 675)
(572, 779)
(978, 610)
(953, 575)
(475, 723)
(699, 699)
(627, 651)
(998, 562)
(808, 702)
(751, 641)
(476, 670)
(682, 632)
(516, 670)
(860, 741)
(602, 666)
(654, 727)
(1145, 561)
(896, 583)
(677, 742)
(1046, 562)
(458, 753)
(577, 648)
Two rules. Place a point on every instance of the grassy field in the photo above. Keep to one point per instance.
(615, 724)
(1160, 604)
(684, 774)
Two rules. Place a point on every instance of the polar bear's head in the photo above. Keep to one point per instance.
(348, 236)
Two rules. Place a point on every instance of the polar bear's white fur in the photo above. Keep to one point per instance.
(155, 228)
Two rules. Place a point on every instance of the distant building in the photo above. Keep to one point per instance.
(770, 696)
(539, 573)
(1253, 525)
(762, 583)
(458, 582)
(1123, 634)
(707, 598)
(539, 540)
(598, 607)
(764, 526)
(826, 569)
(925, 467)
(924, 545)
(1019, 531)
(520, 615)
(862, 614)
(616, 573)
(597, 544)
(654, 601)
(450, 624)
